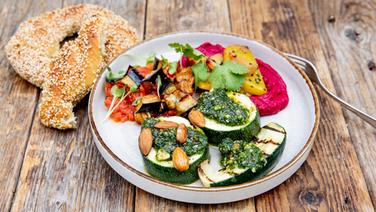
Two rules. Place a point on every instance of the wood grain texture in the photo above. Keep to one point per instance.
(18, 101)
(165, 16)
(349, 44)
(331, 179)
(62, 170)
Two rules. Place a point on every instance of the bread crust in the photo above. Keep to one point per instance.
(37, 40)
(66, 74)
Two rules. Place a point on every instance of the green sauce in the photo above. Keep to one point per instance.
(241, 154)
(166, 139)
(218, 106)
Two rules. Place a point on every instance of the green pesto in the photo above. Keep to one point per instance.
(241, 154)
(166, 139)
(218, 106)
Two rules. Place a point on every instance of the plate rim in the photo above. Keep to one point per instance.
(271, 175)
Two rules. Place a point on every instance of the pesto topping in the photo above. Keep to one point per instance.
(241, 154)
(218, 106)
(166, 139)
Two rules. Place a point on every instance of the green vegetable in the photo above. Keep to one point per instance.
(159, 84)
(158, 162)
(187, 50)
(230, 75)
(117, 92)
(133, 88)
(200, 70)
(235, 123)
(166, 139)
(173, 68)
(243, 161)
(240, 154)
(164, 61)
(114, 76)
(150, 58)
(136, 101)
(218, 106)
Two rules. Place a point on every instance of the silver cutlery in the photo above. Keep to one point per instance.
(313, 75)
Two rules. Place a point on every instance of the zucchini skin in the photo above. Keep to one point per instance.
(248, 175)
(246, 133)
(170, 174)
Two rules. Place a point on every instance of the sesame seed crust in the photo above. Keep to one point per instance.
(37, 40)
(66, 74)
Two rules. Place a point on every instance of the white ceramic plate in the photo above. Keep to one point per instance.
(118, 142)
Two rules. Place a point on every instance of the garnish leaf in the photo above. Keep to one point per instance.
(159, 84)
(173, 68)
(235, 68)
(113, 76)
(164, 62)
(187, 50)
(136, 101)
(201, 73)
(133, 88)
(117, 92)
(150, 58)
(230, 76)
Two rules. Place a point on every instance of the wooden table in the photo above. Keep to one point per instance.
(49, 170)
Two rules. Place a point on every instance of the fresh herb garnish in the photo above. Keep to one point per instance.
(113, 76)
(187, 50)
(159, 84)
(150, 58)
(201, 73)
(136, 101)
(164, 62)
(173, 68)
(117, 93)
(230, 75)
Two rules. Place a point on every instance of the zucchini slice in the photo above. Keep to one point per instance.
(217, 131)
(164, 169)
(271, 140)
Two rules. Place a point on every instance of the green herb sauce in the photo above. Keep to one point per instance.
(241, 154)
(166, 139)
(218, 106)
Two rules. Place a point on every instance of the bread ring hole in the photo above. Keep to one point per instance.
(69, 38)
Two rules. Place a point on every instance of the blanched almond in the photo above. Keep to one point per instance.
(181, 133)
(180, 160)
(145, 141)
(166, 125)
(196, 118)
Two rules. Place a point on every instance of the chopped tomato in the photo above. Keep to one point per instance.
(145, 70)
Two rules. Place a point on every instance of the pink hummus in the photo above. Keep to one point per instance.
(276, 98)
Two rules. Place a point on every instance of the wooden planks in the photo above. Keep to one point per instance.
(331, 178)
(62, 170)
(18, 100)
(348, 42)
(165, 16)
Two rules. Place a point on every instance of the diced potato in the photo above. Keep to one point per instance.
(254, 84)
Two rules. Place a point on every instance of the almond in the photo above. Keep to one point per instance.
(181, 133)
(166, 125)
(145, 141)
(180, 160)
(196, 118)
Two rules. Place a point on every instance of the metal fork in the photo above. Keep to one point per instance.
(313, 75)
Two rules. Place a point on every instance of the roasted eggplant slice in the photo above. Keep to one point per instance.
(132, 78)
(149, 103)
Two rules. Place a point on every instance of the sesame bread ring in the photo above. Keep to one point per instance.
(37, 40)
(72, 74)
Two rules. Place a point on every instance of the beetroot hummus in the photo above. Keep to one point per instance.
(207, 49)
(276, 98)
